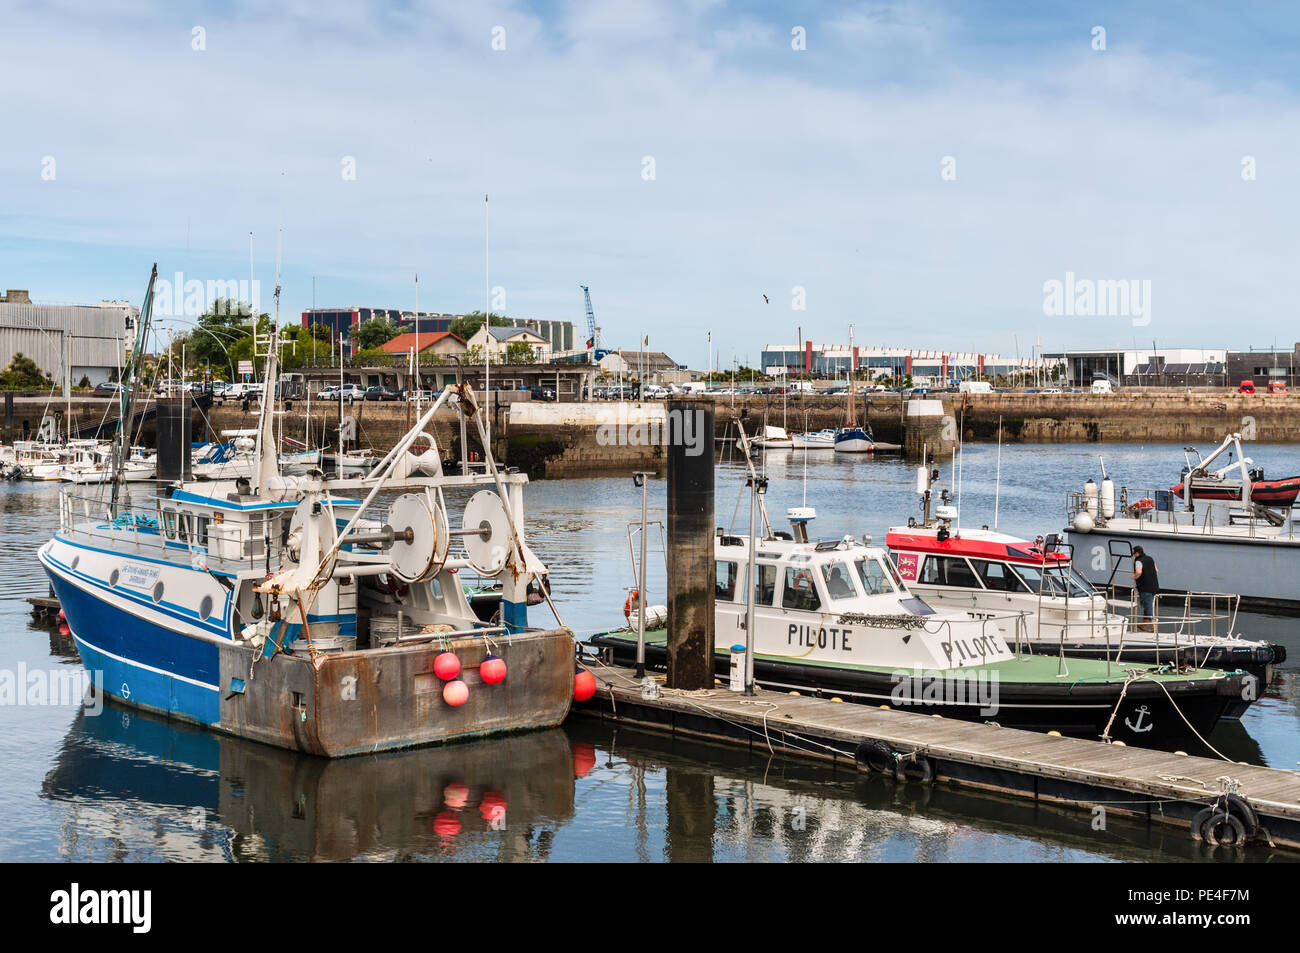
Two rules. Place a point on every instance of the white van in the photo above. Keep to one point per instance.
(1102, 387)
(975, 387)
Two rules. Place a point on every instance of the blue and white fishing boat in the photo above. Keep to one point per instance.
(304, 612)
(851, 438)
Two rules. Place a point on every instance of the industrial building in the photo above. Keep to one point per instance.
(924, 366)
(1142, 367)
(67, 342)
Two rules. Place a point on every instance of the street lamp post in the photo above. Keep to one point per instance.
(758, 487)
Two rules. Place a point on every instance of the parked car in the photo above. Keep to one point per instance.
(655, 392)
(381, 392)
(241, 391)
(1246, 387)
(1277, 387)
(329, 393)
(108, 387)
(541, 393)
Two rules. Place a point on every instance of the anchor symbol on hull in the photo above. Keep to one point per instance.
(1139, 728)
(126, 690)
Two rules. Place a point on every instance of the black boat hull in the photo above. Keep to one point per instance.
(1146, 715)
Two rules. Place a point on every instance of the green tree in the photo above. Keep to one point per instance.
(520, 352)
(24, 373)
(474, 355)
(466, 326)
(375, 333)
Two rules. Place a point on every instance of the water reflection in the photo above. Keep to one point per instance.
(140, 787)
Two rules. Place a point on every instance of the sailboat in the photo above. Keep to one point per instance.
(851, 438)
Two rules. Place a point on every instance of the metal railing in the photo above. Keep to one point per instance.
(1126, 501)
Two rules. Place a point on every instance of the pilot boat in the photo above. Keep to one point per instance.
(1044, 604)
(1205, 537)
(836, 618)
(305, 613)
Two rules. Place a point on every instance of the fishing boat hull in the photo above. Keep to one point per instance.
(179, 659)
(1143, 715)
(853, 440)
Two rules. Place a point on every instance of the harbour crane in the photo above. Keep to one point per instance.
(593, 332)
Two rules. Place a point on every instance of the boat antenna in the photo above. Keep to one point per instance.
(1103, 465)
(997, 483)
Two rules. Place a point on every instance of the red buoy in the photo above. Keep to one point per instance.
(64, 629)
(446, 824)
(584, 685)
(455, 693)
(493, 670)
(61, 615)
(446, 666)
(493, 807)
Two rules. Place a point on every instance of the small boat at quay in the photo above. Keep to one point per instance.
(310, 613)
(836, 618)
(1212, 535)
(1049, 609)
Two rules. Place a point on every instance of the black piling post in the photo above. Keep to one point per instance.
(174, 439)
(690, 545)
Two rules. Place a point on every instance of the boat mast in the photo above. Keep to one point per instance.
(268, 464)
(127, 394)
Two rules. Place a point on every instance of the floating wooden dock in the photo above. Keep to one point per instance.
(1161, 786)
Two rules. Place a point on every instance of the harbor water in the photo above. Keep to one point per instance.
(120, 785)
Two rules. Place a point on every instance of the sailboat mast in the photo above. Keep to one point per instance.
(268, 463)
(127, 395)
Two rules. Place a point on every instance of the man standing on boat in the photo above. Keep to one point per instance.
(1146, 580)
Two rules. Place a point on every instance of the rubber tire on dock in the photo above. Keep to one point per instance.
(875, 755)
(914, 769)
(1224, 830)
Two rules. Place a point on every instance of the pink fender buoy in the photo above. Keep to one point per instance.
(584, 758)
(456, 795)
(446, 666)
(455, 693)
(584, 685)
(493, 670)
(61, 615)
(64, 629)
(446, 824)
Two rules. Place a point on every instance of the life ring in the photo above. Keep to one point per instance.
(803, 581)
(632, 597)
(1146, 503)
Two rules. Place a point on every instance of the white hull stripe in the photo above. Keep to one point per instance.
(147, 668)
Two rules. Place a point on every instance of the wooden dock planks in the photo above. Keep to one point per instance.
(1168, 787)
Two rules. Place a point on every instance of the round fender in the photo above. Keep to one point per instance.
(1198, 823)
(918, 769)
(1224, 830)
(1240, 808)
(876, 756)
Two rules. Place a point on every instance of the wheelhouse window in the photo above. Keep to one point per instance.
(839, 580)
(726, 575)
(1054, 581)
(948, 571)
(997, 576)
(765, 584)
(800, 591)
(875, 580)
